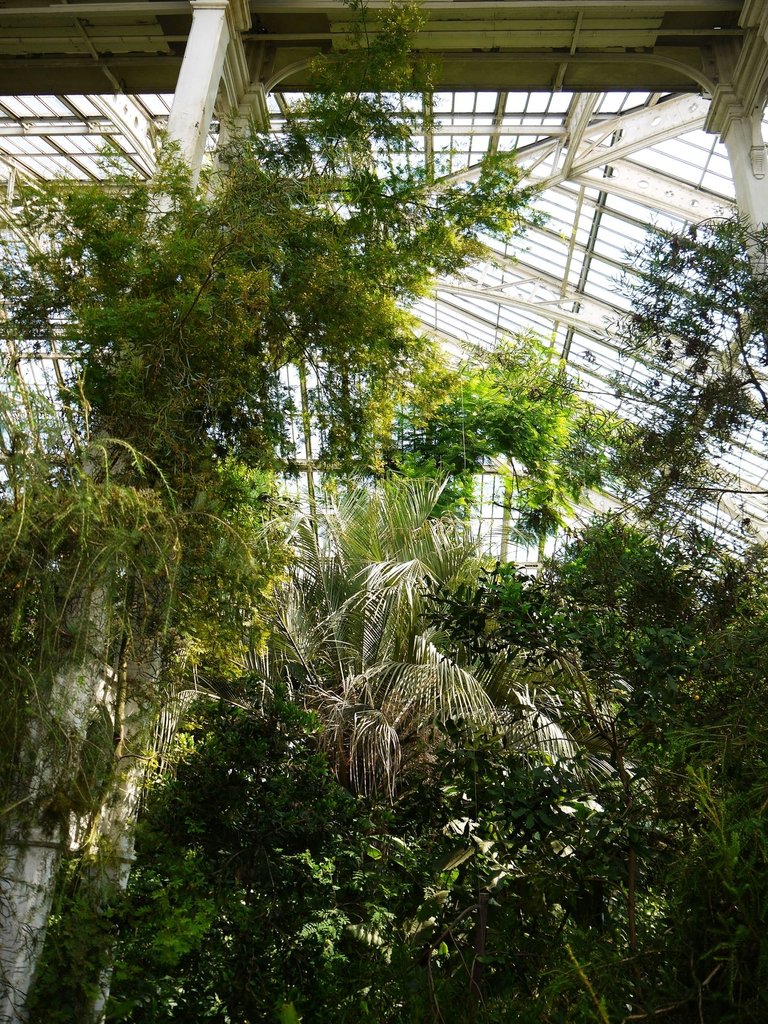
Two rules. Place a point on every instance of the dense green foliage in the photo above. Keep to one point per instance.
(658, 653)
(616, 875)
(242, 899)
(443, 792)
(518, 411)
(352, 640)
(139, 525)
(620, 879)
(252, 896)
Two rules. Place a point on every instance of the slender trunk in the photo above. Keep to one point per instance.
(306, 422)
(631, 853)
(480, 935)
(110, 848)
(632, 898)
(506, 522)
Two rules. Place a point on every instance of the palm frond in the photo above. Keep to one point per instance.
(351, 637)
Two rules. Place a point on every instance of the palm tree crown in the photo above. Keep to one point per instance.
(352, 640)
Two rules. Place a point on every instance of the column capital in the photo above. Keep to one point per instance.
(238, 11)
(742, 81)
(747, 156)
(754, 14)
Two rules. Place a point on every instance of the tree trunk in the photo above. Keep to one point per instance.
(110, 850)
(37, 829)
(481, 929)
(29, 872)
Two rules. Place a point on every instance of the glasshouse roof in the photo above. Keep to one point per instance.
(624, 116)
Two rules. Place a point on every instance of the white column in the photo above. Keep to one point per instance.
(747, 156)
(252, 111)
(199, 80)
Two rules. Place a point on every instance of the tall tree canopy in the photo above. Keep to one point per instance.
(517, 410)
(135, 542)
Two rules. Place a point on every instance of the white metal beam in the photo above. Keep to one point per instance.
(55, 126)
(607, 140)
(657, 191)
(130, 120)
(592, 318)
(577, 123)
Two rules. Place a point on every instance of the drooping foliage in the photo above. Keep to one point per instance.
(698, 332)
(518, 412)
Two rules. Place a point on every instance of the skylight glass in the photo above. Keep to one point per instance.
(561, 281)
